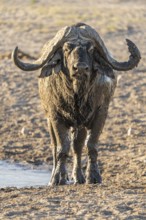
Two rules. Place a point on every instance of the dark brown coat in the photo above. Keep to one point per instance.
(76, 85)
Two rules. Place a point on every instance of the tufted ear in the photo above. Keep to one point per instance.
(53, 66)
(100, 65)
(97, 61)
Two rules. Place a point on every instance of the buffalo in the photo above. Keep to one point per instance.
(76, 84)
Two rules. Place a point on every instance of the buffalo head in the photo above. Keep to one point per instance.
(78, 58)
(74, 46)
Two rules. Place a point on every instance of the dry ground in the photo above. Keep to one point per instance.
(23, 128)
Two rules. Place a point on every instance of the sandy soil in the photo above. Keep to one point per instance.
(23, 128)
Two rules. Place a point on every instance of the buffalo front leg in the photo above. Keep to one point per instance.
(92, 171)
(53, 146)
(61, 132)
(78, 141)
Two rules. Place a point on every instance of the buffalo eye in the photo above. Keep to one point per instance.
(66, 49)
(69, 47)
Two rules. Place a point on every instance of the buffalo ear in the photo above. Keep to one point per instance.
(57, 68)
(46, 71)
(96, 66)
(53, 66)
(101, 66)
(96, 61)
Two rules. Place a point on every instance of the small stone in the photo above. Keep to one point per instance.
(24, 131)
(129, 131)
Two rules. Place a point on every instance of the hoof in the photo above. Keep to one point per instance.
(58, 181)
(93, 175)
(58, 178)
(78, 177)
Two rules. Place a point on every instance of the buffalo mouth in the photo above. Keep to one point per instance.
(80, 76)
(80, 71)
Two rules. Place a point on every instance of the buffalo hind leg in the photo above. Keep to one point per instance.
(59, 175)
(79, 137)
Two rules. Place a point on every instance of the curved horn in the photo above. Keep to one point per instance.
(47, 52)
(134, 57)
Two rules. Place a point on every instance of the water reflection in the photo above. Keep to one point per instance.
(18, 175)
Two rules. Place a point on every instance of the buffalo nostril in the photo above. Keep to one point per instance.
(87, 68)
(75, 68)
(80, 67)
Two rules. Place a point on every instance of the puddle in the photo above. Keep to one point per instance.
(18, 175)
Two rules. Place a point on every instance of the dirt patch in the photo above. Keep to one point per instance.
(23, 128)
